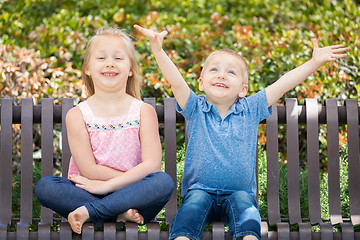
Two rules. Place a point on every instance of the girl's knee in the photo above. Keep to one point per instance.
(165, 182)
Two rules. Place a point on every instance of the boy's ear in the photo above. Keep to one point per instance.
(201, 84)
(243, 91)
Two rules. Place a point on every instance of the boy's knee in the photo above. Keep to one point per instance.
(196, 198)
(243, 197)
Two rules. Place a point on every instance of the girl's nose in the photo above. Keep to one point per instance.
(109, 63)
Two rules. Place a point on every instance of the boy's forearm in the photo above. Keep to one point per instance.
(290, 80)
(168, 68)
(178, 85)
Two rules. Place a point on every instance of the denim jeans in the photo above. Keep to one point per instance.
(148, 196)
(238, 210)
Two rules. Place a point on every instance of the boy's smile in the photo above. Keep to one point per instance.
(222, 79)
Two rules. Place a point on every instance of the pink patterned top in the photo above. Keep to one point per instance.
(115, 141)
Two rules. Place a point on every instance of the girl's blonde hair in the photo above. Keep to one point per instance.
(133, 82)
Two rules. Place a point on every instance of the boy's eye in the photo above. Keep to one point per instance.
(213, 69)
(118, 58)
(101, 58)
(232, 72)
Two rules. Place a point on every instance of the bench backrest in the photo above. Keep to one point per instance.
(47, 114)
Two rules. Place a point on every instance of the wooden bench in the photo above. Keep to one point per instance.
(311, 115)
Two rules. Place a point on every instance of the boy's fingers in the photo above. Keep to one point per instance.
(163, 34)
(339, 50)
(337, 46)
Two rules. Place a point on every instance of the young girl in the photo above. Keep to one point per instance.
(114, 172)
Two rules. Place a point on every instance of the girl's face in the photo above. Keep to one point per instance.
(222, 79)
(109, 64)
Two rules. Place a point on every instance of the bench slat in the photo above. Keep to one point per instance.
(132, 231)
(47, 126)
(312, 136)
(304, 231)
(170, 153)
(333, 161)
(65, 231)
(326, 231)
(67, 104)
(347, 230)
(218, 231)
(26, 160)
(292, 142)
(272, 151)
(153, 231)
(88, 231)
(6, 162)
(353, 154)
(283, 231)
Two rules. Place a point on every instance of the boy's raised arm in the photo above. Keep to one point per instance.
(178, 85)
(296, 76)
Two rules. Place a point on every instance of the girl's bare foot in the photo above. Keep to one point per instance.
(77, 218)
(131, 215)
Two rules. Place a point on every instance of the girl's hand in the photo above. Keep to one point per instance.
(327, 54)
(155, 38)
(92, 186)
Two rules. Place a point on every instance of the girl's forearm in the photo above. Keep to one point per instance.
(133, 175)
(100, 172)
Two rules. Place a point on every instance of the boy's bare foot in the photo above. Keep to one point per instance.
(131, 215)
(249, 237)
(77, 218)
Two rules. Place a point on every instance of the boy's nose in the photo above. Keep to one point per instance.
(221, 75)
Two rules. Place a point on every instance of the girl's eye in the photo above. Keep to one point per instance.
(232, 72)
(101, 58)
(213, 69)
(118, 58)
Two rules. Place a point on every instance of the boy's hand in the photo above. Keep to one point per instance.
(155, 38)
(327, 54)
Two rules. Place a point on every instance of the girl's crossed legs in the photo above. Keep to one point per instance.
(147, 196)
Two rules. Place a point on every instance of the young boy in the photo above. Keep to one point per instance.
(219, 176)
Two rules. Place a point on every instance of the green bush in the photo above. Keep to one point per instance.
(274, 36)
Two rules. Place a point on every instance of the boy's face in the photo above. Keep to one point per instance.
(223, 78)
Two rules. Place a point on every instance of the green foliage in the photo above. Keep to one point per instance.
(274, 36)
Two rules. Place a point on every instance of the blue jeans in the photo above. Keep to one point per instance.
(238, 210)
(148, 196)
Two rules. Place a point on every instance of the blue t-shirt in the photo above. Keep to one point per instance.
(221, 153)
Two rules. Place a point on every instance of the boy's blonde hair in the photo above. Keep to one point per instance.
(244, 65)
(133, 82)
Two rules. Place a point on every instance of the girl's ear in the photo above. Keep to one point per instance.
(130, 73)
(243, 91)
(201, 82)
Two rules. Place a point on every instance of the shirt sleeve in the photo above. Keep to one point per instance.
(190, 106)
(258, 104)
